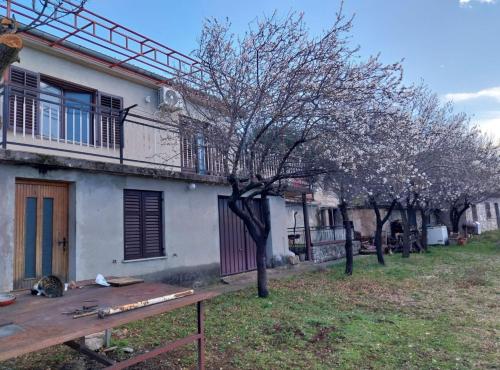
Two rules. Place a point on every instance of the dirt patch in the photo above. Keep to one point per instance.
(322, 334)
(473, 278)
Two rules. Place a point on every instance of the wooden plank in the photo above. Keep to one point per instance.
(44, 325)
(124, 281)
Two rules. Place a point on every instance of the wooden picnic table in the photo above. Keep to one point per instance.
(42, 323)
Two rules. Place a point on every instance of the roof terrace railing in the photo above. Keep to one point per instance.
(122, 46)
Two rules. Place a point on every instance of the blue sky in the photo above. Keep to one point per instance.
(453, 45)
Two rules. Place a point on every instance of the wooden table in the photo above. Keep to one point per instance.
(43, 324)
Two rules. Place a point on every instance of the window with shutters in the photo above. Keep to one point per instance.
(200, 157)
(23, 100)
(188, 153)
(110, 120)
(143, 224)
(474, 212)
(487, 208)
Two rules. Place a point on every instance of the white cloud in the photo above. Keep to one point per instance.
(491, 126)
(492, 93)
(468, 2)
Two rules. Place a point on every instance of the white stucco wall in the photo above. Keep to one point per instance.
(487, 223)
(191, 223)
(277, 243)
(142, 143)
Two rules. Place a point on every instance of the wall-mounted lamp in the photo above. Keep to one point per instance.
(147, 99)
(191, 186)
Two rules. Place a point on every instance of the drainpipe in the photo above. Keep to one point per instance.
(306, 227)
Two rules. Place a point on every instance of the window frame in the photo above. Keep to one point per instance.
(143, 253)
(487, 210)
(96, 111)
(67, 86)
(474, 212)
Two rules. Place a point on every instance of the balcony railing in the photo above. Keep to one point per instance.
(44, 122)
(48, 123)
(43, 116)
(319, 234)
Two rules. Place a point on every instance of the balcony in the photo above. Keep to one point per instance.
(46, 122)
(49, 123)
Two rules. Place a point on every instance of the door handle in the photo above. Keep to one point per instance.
(63, 242)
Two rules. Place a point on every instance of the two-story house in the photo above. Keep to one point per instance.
(93, 180)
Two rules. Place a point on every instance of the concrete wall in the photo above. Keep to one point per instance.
(277, 244)
(487, 223)
(332, 251)
(96, 226)
(365, 222)
(292, 207)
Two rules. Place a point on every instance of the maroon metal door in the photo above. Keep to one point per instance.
(237, 248)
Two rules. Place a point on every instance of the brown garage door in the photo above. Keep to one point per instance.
(237, 248)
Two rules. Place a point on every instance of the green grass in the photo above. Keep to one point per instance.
(439, 310)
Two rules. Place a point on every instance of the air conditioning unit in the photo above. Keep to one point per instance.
(169, 99)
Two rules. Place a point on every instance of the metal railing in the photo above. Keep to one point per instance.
(319, 234)
(45, 122)
(197, 155)
(123, 46)
(44, 116)
(48, 123)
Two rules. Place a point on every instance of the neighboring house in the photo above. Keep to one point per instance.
(365, 222)
(486, 213)
(325, 225)
(88, 189)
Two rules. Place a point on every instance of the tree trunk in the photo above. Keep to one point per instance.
(379, 226)
(454, 219)
(262, 289)
(378, 241)
(349, 259)
(259, 232)
(424, 215)
(10, 46)
(456, 215)
(406, 232)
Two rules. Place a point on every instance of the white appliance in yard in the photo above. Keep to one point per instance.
(437, 235)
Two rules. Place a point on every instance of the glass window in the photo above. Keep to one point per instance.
(50, 105)
(78, 117)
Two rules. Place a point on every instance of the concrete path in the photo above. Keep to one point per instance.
(240, 281)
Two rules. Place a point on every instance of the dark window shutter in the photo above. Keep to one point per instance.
(23, 105)
(110, 120)
(132, 224)
(143, 225)
(152, 224)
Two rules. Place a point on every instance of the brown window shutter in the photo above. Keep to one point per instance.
(132, 224)
(110, 120)
(143, 224)
(152, 224)
(23, 104)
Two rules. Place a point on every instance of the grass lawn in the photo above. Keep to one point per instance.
(439, 310)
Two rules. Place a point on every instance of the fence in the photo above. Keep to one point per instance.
(319, 234)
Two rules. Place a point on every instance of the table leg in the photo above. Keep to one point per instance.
(201, 331)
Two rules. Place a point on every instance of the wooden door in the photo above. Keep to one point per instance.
(237, 248)
(41, 239)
